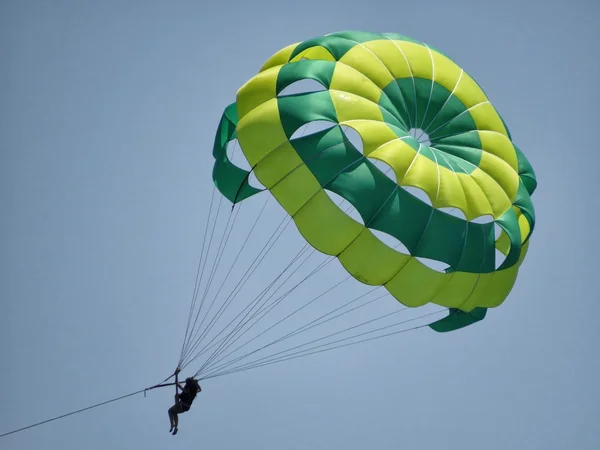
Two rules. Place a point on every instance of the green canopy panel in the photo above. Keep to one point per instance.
(231, 180)
(457, 319)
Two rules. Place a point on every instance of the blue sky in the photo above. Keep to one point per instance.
(108, 116)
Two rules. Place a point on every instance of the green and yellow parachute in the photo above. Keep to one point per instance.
(384, 87)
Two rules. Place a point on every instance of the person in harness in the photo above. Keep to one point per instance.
(183, 401)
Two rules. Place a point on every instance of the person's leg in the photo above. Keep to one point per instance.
(182, 408)
(175, 423)
(173, 411)
(172, 417)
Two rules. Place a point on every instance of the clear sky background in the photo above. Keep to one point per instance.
(107, 117)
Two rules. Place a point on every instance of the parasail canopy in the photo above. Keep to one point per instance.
(388, 90)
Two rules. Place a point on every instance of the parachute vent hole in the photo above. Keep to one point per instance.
(253, 181)
(454, 212)
(418, 193)
(497, 231)
(500, 257)
(304, 86)
(421, 136)
(353, 136)
(238, 159)
(236, 155)
(385, 168)
(390, 241)
(433, 264)
(345, 206)
(483, 219)
(312, 128)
